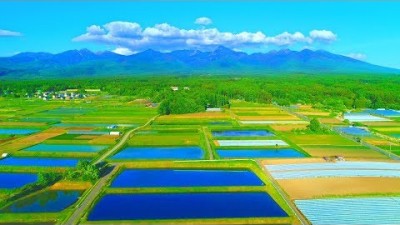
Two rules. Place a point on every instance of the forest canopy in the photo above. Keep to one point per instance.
(196, 93)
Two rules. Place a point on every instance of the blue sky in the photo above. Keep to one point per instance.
(365, 30)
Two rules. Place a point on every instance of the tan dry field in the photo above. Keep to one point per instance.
(333, 121)
(276, 118)
(86, 137)
(314, 113)
(333, 186)
(276, 112)
(288, 127)
(382, 124)
(34, 139)
(202, 115)
(361, 153)
(291, 161)
(70, 185)
(376, 141)
(104, 139)
(252, 109)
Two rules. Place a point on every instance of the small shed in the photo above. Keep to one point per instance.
(213, 110)
(115, 133)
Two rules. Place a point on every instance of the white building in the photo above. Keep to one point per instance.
(115, 133)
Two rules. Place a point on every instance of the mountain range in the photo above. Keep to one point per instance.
(77, 63)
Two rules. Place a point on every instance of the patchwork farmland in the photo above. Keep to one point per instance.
(249, 163)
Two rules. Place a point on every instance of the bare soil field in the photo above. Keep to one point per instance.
(34, 139)
(202, 115)
(277, 118)
(288, 127)
(322, 187)
(344, 151)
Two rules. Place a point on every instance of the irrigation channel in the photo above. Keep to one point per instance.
(95, 190)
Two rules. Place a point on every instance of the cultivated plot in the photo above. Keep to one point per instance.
(362, 211)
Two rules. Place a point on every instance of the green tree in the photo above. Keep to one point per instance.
(315, 125)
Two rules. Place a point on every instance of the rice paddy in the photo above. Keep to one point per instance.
(160, 153)
(202, 168)
(185, 206)
(259, 153)
(38, 162)
(16, 180)
(185, 178)
(65, 148)
(233, 143)
(364, 117)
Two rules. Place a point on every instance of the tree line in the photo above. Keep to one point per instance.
(334, 92)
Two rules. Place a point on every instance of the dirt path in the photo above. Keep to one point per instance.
(123, 140)
(210, 153)
(81, 208)
(97, 187)
(286, 198)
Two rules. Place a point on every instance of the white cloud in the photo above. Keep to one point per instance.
(96, 30)
(203, 21)
(165, 37)
(7, 33)
(123, 51)
(358, 56)
(323, 35)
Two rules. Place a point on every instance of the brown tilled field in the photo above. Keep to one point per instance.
(322, 187)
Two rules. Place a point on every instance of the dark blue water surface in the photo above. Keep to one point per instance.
(16, 180)
(65, 148)
(160, 153)
(259, 153)
(185, 178)
(185, 206)
(355, 131)
(11, 131)
(47, 201)
(242, 133)
(42, 162)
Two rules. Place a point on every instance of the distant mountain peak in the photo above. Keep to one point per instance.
(219, 61)
(222, 49)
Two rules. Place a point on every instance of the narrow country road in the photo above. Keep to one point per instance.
(97, 187)
(210, 153)
(298, 214)
(89, 198)
(123, 140)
